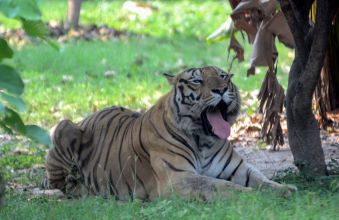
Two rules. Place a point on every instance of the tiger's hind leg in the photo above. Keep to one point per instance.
(61, 164)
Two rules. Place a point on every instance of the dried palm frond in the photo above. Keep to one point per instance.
(271, 97)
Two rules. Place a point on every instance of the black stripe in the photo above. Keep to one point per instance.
(104, 113)
(151, 167)
(140, 140)
(212, 158)
(130, 191)
(131, 128)
(248, 174)
(168, 142)
(55, 169)
(62, 124)
(186, 103)
(101, 114)
(88, 182)
(194, 71)
(120, 148)
(235, 170)
(95, 182)
(96, 118)
(229, 147)
(60, 150)
(98, 148)
(193, 89)
(56, 178)
(183, 81)
(85, 145)
(226, 164)
(121, 143)
(186, 158)
(181, 90)
(61, 159)
(187, 116)
(109, 147)
(173, 167)
(143, 186)
(72, 145)
(175, 103)
(177, 137)
(198, 97)
(87, 157)
(112, 185)
(84, 123)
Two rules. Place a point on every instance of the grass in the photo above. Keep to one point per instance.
(255, 205)
(71, 84)
(138, 62)
(191, 18)
(138, 83)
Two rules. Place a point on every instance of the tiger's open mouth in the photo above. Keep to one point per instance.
(214, 121)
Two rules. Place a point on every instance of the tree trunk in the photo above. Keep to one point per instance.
(327, 92)
(303, 128)
(2, 190)
(311, 43)
(73, 14)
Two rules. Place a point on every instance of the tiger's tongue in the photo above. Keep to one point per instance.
(220, 127)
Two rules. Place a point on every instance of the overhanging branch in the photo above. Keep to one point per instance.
(302, 10)
(296, 29)
(318, 48)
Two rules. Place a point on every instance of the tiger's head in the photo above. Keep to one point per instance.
(204, 99)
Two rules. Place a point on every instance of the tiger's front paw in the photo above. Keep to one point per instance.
(283, 190)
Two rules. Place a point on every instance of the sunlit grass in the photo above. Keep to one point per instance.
(256, 205)
(71, 83)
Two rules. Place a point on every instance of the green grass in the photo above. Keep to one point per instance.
(196, 18)
(139, 64)
(255, 205)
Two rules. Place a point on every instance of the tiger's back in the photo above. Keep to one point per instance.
(102, 156)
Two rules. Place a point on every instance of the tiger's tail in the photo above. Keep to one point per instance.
(61, 158)
(44, 183)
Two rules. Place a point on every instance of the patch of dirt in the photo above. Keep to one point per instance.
(58, 32)
(246, 138)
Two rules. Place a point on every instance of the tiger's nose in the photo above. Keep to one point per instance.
(219, 91)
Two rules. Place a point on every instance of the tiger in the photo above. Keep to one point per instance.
(180, 145)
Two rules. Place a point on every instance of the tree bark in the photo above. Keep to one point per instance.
(311, 44)
(2, 190)
(73, 14)
(327, 91)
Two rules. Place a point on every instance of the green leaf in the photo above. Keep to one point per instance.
(15, 102)
(13, 121)
(5, 128)
(223, 32)
(10, 80)
(35, 28)
(27, 9)
(38, 134)
(5, 50)
(2, 108)
(52, 43)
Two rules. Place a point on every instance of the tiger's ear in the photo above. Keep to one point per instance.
(170, 78)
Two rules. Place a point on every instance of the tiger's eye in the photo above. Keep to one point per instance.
(197, 82)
